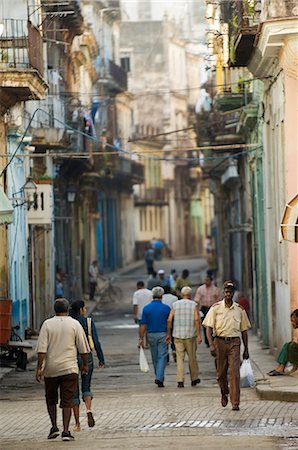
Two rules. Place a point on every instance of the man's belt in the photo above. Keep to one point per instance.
(227, 339)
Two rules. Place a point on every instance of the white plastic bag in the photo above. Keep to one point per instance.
(144, 366)
(246, 374)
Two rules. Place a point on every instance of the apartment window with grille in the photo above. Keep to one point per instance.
(125, 63)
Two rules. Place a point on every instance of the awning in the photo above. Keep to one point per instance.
(6, 210)
(289, 223)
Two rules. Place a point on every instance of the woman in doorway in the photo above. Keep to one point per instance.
(78, 312)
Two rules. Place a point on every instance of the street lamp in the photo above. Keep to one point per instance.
(28, 194)
(71, 193)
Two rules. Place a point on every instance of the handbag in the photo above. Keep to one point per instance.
(90, 338)
(246, 374)
(144, 366)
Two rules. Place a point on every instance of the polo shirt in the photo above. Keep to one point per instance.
(155, 316)
(227, 321)
(61, 337)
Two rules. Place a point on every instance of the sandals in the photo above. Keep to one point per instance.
(274, 373)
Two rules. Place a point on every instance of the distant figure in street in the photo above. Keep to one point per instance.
(141, 297)
(289, 351)
(186, 333)
(59, 291)
(206, 295)
(212, 264)
(154, 321)
(78, 312)
(93, 276)
(152, 280)
(172, 278)
(149, 260)
(182, 281)
(242, 301)
(158, 247)
(162, 281)
(169, 298)
(226, 322)
(208, 244)
(60, 338)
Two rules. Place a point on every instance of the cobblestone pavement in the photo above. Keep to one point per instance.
(132, 413)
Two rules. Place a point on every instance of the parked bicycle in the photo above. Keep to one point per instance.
(107, 291)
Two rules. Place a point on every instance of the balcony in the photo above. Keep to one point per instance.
(151, 196)
(113, 77)
(48, 129)
(21, 63)
(68, 12)
(234, 96)
(244, 23)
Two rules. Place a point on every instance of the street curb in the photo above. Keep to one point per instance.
(282, 395)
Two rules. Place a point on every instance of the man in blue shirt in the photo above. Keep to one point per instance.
(154, 320)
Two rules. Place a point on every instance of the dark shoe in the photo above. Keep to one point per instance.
(66, 436)
(159, 383)
(90, 419)
(180, 384)
(195, 382)
(236, 408)
(274, 373)
(224, 400)
(54, 432)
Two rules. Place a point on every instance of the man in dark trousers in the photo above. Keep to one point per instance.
(154, 320)
(60, 339)
(226, 322)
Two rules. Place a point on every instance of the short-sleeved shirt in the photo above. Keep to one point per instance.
(184, 319)
(140, 298)
(61, 337)
(207, 296)
(225, 321)
(169, 299)
(155, 316)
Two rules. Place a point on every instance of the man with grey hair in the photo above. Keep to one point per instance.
(154, 321)
(60, 339)
(186, 335)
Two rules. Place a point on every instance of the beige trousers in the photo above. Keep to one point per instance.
(190, 347)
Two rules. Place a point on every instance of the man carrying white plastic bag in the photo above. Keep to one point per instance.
(246, 374)
(144, 366)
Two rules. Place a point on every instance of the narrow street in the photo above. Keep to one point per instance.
(132, 413)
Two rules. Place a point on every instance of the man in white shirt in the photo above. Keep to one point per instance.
(141, 297)
(168, 298)
(60, 339)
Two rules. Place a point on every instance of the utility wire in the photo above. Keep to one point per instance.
(140, 153)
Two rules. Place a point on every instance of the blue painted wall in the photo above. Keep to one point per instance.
(17, 237)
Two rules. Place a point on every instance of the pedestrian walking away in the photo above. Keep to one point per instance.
(93, 277)
(289, 351)
(149, 260)
(226, 322)
(205, 296)
(141, 297)
(154, 321)
(60, 338)
(186, 333)
(182, 281)
(78, 312)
